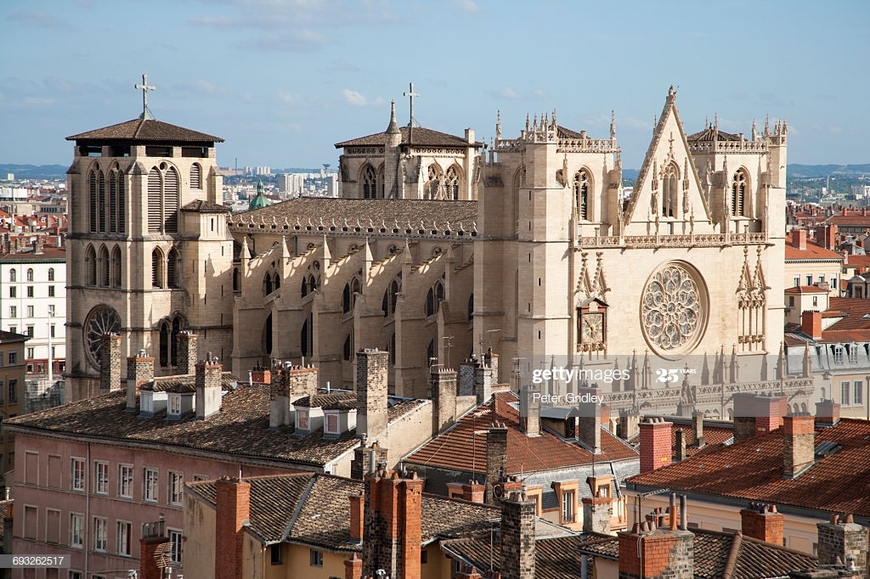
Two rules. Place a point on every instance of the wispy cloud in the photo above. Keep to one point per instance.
(36, 19)
(509, 93)
(357, 99)
(466, 6)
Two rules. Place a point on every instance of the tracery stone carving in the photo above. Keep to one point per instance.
(673, 309)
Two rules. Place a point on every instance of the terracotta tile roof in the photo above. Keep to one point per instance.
(421, 137)
(185, 383)
(852, 312)
(806, 289)
(850, 220)
(49, 254)
(364, 211)
(858, 260)
(714, 551)
(240, 429)
(145, 131)
(814, 251)
(463, 446)
(753, 470)
(713, 435)
(314, 509)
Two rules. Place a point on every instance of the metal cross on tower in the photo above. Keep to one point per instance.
(411, 94)
(145, 87)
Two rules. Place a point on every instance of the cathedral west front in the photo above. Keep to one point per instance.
(440, 249)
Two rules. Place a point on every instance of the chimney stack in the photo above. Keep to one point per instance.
(517, 537)
(393, 532)
(371, 393)
(655, 444)
(680, 451)
(496, 459)
(353, 567)
(232, 510)
(473, 491)
(762, 521)
(110, 362)
(827, 413)
(357, 517)
(187, 352)
(648, 551)
(140, 369)
(628, 423)
(485, 375)
(799, 238)
(589, 427)
(366, 460)
(769, 411)
(530, 409)
(288, 384)
(443, 385)
(153, 535)
(799, 437)
(811, 324)
(208, 387)
(845, 539)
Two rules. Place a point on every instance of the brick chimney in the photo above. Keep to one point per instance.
(655, 444)
(473, 491)
(208, 387)
(233, 509)
(443, 384)
(799, 238)
(286, 385)
(762, 521)
(648, 551)
(530, 409)
(485, 376)
(596, 514)
(366, 460)
(799, 437)
(260, 375)
(393, 532)
(466, 571)
(110, 362)
(845, 539)
(827, 413)
(811, 324)
(628, 423)
(589, 420)
(769, 411)
(517, 537)
(371, 392)
(357, 517)
(353, 567)
(153, 535)
(496, 459)
(186, 352)
(744, 415)
(140, 369)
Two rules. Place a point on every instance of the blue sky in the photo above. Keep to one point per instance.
(283, 80)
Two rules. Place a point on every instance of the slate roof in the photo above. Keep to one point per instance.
(421, 137)
(185, 383)
(145, 131)
(314, 509)
(463, 446)
(240, 429)
(752, 469)
(721, 554)
(377, 211)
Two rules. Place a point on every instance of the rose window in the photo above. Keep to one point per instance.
(101, 320)
(672, 310)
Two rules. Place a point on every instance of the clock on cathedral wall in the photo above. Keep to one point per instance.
(591, 327)
(102, 319)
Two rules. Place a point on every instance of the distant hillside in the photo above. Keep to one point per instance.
(796, 171)
(34, 171)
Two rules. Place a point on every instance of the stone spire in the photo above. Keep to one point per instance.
(393, 127)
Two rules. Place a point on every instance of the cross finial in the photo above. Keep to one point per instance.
(145, 87)
(410, 94)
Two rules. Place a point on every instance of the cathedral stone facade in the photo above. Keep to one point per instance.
(440, 251)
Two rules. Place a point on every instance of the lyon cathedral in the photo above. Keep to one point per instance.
(523, 254)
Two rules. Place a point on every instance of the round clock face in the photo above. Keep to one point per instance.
(102, 319)
(592, 327)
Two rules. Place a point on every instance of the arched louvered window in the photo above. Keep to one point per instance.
(104, 267)
(451, 183)
(196, 176)
(93, 204)
(91, 259)
(113, 200)
(738, 194)
(581, 193)
(155, 201)
(370, 183)
(101, 195)
(116, 267)
(173, 263)
(121, 212)
(170, 201)
(670, 183)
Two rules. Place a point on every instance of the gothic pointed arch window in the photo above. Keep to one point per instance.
(93, 200)
(276, 281)
(670, 190)
(267, 338)
(381, 183)
(348, 348)
(738, 194)
(155, 200)
(434, 182)
(101, 202)
(117, 222)
(304, 290)
(236, 286)
(370, 182)
(451, 182)
(169, 329)
(116, 267)
(103, 265)
(173, 265)
(391, 296)
(170, 201)
(163, 196)
(91, 259)
(581, 193)
(471, 307)
(434, 297)
(306, 336)
(348, 297)
(157, 266)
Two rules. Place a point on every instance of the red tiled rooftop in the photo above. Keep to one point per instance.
(806, 289)
(753, 470)
(463, 447)
(813, 251)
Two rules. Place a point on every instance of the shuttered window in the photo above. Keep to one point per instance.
(101, 193)
(155, 201)
(196, 176)
(170, 201)
(113, 201)
(93, 208)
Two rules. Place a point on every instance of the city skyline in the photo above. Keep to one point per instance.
(282, 81)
